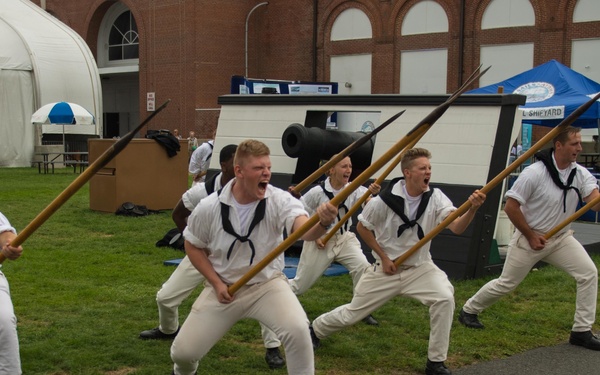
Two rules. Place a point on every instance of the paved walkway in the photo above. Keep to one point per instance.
(589, 235)
(561, 359)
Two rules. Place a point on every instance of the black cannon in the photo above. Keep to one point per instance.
(311, 145)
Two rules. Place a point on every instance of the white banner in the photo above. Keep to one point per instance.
(314, 89)
(543, 113)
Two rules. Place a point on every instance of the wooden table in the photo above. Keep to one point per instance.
(72, 159)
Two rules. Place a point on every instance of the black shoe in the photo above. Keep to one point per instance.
(274, 358)
(315, 340)
(157, 334)
(370, 320)
(436, 368)
(469, 320)
(586, 339)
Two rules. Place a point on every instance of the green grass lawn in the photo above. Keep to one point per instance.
(86, 284)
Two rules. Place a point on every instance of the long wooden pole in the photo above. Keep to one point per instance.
(296, 190)
(501, 176)
(421, 128)
(381, 178)
(84, 177)
(367, 194)
(573, 217)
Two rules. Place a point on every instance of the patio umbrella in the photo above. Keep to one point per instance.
(63, 113)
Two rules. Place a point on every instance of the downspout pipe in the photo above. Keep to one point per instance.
(461, 42)
(314, 39)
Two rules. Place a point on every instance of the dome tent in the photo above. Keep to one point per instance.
(41, 61)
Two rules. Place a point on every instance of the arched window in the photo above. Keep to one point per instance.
(586, 11)
(118, 39)
(424, 68)
(508, 59)
(351, 24)
(508, 13)
(352, 70)
(123, 41)
(425, 17)
(585, 47)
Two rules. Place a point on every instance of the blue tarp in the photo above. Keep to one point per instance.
(291, 265)
(553, 91)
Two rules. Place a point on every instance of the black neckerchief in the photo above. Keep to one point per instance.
(259, 214)
(396, 203)
(329, 195)
(545, 156)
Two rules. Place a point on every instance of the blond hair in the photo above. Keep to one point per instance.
(412, 154)
(328, 172)
(250, 147)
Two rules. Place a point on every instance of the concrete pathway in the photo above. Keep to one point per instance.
(561, 359)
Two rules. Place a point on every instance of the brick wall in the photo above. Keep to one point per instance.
(189, 49)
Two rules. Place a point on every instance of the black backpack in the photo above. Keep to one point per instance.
(131, 209)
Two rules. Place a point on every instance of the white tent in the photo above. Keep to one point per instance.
(42, 60)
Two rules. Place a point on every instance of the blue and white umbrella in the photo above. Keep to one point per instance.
(63, 113)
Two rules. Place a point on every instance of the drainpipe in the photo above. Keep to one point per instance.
(43, 4)
(314, 41)
(461, 42)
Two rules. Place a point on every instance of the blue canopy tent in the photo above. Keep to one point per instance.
(553, 91)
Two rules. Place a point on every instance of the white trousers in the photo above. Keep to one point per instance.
(563, 252)
(342, 248)
(272, 303)
(10, 362)
(177, 288)
(425, 283)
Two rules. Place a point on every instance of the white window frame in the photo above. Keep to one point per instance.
(103, 34)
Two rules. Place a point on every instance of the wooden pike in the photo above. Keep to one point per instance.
(573, 217)
(367, 194)
(417, 132)
(297, 190)
(84, 177)
(381, 178)
(501, 176)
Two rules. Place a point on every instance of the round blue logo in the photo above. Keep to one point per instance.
(536, 91)
(367, 127)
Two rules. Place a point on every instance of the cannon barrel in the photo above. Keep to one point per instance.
(315, 143)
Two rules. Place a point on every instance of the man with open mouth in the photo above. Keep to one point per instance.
(390, 225)
(343, 247)
(227, 234)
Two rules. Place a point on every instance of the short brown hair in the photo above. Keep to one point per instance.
(412, 154)
(564, 135)
(250, 147)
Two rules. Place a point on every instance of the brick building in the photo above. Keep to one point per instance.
(187, 50)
